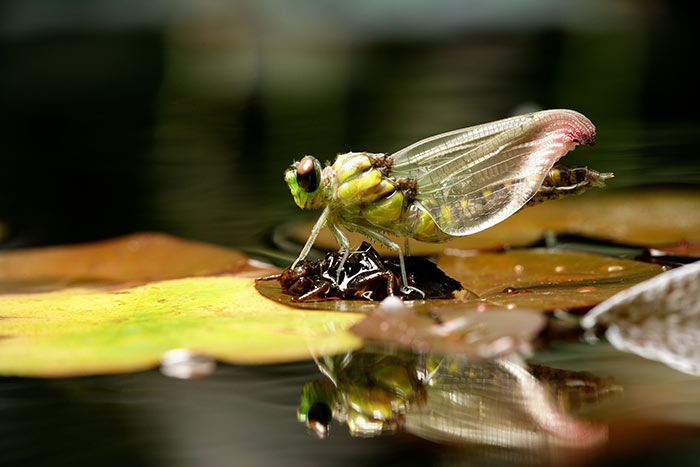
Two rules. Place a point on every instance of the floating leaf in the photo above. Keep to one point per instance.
(83, 331)
(137, 257)
(658, 319)
(640, 217)
(471, 330)
(682, 249)
(544, 279)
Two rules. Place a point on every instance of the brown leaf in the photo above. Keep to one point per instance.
(691, 249)
(544, 279)
(635, 217)
(136, 257)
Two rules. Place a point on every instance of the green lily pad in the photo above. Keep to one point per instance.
(137, 257)
(640, 218)
(85, 331)
(545, 279)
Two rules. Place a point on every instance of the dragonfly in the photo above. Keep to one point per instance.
(445, 186)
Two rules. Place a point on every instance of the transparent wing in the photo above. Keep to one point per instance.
(473, 178)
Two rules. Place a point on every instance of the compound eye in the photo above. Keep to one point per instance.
(307, 177)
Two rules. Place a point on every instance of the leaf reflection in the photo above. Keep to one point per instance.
(501, 403)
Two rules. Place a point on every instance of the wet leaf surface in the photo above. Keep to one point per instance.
(137, 257)
(685, 249)
(655, 217)
(635, 217)
(82, 331)
(544, 279)
(658, 319)
(473, 330)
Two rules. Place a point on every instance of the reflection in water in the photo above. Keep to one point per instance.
(501, 403)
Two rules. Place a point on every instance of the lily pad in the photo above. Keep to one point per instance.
(686, 249)
(544, 279)
(83, 331)
(137, 257)
(658, 319)
(640, 218)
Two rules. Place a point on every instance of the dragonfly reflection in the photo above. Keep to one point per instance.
(499, 403)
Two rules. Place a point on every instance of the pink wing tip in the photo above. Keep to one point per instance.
(583, 130)
(576, 126)
(586, 139)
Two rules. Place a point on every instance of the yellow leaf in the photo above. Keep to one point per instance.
(85, 331)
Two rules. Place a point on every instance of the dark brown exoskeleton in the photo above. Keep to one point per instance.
(364, 276)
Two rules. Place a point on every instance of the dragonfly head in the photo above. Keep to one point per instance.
(304, 180)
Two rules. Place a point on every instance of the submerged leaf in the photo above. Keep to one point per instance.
(136, 257)
(658, 319)
(544, 279)
(82, 331)
(473, 330)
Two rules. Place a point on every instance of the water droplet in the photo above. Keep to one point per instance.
(559, 268)
(392, 304)
(586, 289)
(518, 268)
(511, 306)
(184, 364)
(481, 307)
(614, 267)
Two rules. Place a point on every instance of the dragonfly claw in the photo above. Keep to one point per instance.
(408, 290)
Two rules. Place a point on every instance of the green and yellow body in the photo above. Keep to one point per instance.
(361, 191)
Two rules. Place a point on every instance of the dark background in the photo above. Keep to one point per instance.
(121, 116)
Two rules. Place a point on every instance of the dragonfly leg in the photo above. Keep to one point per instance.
(389, 244)
(314, 234)
(344, 245)
(406, 249)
